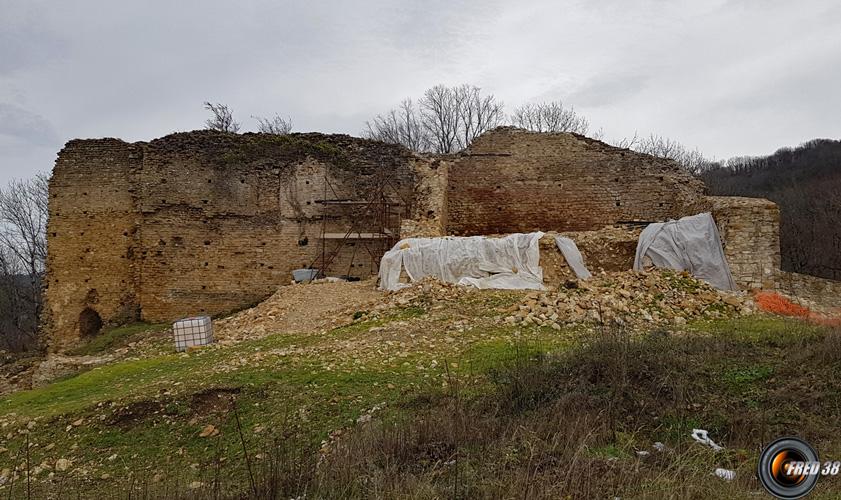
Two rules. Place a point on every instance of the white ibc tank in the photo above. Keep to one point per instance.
(189, 332)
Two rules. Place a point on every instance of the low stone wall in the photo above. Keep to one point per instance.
(822, 291)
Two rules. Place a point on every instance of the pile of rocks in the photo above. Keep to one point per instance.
(629, 297)
(607, 249)
(429, 290)
(299, 308)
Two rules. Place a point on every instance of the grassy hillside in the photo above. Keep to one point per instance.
(429, 399)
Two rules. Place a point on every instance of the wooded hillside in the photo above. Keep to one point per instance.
(806, 183)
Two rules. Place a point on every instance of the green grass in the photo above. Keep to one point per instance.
(748, 375)
(116, 337)
(149, 412)
(762, 328)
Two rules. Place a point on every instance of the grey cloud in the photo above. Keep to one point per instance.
(695, 71)
(26, 126)
(609, 89)
(24, 41)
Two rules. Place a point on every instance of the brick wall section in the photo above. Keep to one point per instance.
(204, 222)
(750, 233)
(511, 180)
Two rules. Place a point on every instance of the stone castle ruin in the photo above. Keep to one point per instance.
(208, 222)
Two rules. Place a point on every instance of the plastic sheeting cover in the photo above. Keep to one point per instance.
(688, 244)
(512, 262)
(573, 257)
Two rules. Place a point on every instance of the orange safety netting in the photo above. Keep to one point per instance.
(775, 303)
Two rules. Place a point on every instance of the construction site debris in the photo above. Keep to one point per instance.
(630, 297)
(300, 308)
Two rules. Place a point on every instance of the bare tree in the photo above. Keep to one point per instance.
(399, 126)
(662, 147)
(549, 117)
(223, 118)
(23, 252)
(477, 113)
(455, 116)
(446, 119)
(277, 125)
(440, 118)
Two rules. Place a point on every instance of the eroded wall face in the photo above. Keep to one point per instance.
(93, 246)
(750, 234)
(205, 223)
(516, 181)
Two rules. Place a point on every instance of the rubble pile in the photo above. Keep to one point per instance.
(608, 249)
(629, 297)
(428, 290)
(299, 308)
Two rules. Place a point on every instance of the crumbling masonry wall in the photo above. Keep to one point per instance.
(206, 222)
(511, 180)
(203, 222)
(93, 246)
(750, 234)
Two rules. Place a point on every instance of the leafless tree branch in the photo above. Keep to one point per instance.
(222, 119)
(277, 125)
(549, 117)
(23, 252)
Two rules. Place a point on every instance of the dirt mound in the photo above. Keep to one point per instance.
(659, 297)
(300, 308)
(608, 249)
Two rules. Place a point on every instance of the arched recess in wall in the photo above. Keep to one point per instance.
(90, 323)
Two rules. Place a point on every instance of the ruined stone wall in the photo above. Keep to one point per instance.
(750, 234)
(93, 250)
(822, 291)
(204, 223)
(429, 214)
(511, 180)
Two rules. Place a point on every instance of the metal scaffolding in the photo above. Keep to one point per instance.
(374, 225)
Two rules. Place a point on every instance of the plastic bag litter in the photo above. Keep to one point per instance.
(702, 436)
(726, 474)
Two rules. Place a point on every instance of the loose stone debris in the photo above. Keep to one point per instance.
(630, 297)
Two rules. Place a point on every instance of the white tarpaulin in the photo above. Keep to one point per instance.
(512, 262)
(573, 257)
(688, 244)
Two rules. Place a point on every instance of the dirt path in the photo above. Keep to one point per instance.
(300, 308)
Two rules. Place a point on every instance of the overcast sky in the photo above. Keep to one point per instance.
(729, 77)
